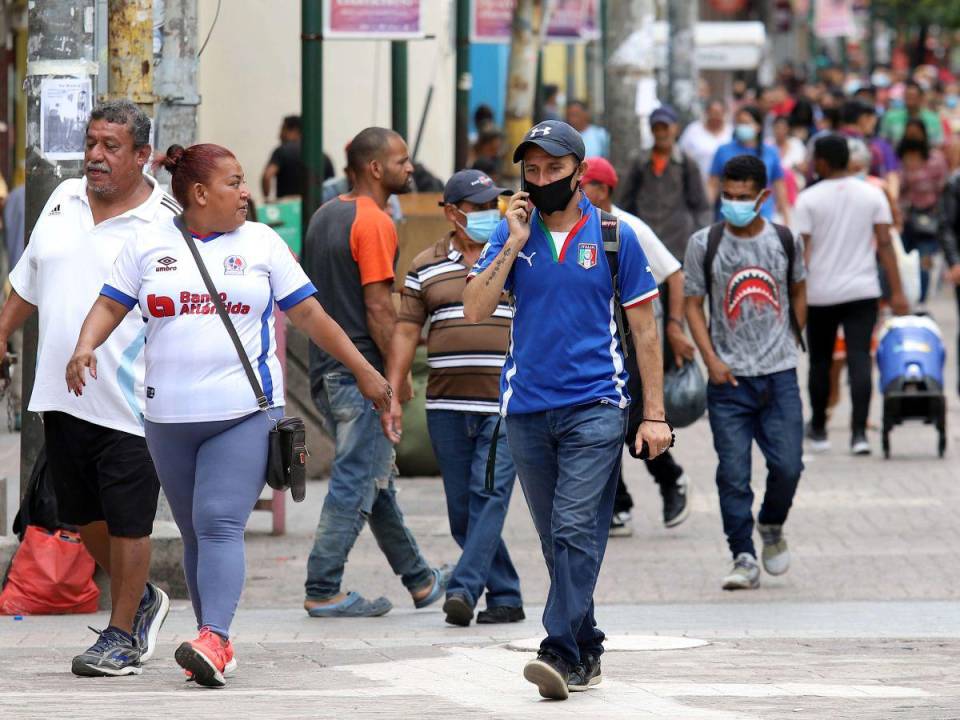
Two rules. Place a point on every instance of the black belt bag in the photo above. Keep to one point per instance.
(287, 450)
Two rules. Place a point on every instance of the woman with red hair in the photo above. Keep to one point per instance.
(205, 431)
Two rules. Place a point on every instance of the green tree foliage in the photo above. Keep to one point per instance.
(908, 15)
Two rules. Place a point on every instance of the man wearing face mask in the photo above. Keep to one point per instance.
(752, 274)
(463, 392)
(563, 389)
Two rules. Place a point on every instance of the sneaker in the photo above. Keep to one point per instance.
(776, 554)
(458, 609)
(149, 619)
(500, 614)
(207, 659)
(859, 444)
(745, 574)
(585, 675)
(620, 524)
(114, 653)
(817, 438)
(550, 673)
(675, 496)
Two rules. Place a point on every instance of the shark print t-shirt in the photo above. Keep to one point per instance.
(750, 313)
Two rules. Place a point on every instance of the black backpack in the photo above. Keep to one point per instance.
(714, 237)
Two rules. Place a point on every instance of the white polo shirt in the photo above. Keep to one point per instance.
(62, 271)
(193, 373)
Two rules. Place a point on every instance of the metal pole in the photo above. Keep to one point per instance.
(398, 86)
(175, 77)
(683, 78)
(131, 51)
(631, 61)
(61, 43)
(571, 74)
(526, 39)
(464, 82)
(311, 104)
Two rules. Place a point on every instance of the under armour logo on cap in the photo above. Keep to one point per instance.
(541, 129)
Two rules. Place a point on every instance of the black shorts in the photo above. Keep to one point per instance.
(100, 474)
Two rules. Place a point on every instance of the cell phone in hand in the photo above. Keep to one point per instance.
(523, 188)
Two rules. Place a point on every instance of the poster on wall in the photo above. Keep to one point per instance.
(572, 21)
(372, 19)
(834, 18)
(64, 110)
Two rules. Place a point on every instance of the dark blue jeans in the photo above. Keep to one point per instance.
(767, 409)
(461, 441)
(568, 461)
(361, 491)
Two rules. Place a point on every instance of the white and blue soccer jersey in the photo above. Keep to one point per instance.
(193, 373)
(564, 346)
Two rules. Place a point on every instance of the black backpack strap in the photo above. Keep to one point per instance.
(714, 236)
(610, 233)
(790, 250)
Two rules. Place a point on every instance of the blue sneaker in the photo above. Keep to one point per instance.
(114, 653)
(149, 619)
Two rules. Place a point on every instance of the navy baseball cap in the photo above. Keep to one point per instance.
(663, 114)
(473, 186)
(555, 138)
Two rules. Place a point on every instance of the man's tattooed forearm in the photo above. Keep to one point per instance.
(497, 265)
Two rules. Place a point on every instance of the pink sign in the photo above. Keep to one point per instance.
(834, 18)
(371, 19)
(571, 21)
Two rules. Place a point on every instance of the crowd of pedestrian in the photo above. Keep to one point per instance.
(774, 225)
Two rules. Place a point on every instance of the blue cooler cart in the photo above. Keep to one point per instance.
(910, 357)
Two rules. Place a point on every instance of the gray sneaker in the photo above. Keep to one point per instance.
(745, 574)
(153, 610)
(776, 554)
(114, 653)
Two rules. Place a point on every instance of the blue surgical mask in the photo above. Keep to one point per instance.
(951, 101)
(738, 213)
(745, 132)
(480, 224)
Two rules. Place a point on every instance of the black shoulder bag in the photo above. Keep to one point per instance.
(287, 454)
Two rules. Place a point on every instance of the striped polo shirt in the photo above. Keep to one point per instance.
(465, 359)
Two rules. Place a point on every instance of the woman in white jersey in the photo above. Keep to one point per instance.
(203, 426)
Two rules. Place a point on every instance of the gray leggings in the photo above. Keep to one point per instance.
(212, 474)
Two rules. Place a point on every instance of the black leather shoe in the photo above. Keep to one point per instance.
(500, 614)
(675, 496)
(586, 674)
(458, 609)
(550, 673)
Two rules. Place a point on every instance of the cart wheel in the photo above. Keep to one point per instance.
(886, 445)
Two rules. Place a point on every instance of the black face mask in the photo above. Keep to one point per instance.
(552, 197)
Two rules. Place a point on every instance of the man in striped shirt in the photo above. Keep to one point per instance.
(463, 393)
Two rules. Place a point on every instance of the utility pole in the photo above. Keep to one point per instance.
(175, 77)
(630, 63)
(398, 87)
(61, 44)
(464, 81)
(530, 19)
(682, 73)
(130, 27)
(311, 104)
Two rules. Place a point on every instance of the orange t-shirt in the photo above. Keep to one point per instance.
(659, 162)
(373, 242)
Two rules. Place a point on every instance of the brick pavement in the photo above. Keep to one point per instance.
(862, 530)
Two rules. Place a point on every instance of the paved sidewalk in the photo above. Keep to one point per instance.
(865, 625)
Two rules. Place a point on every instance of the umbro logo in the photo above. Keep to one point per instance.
(166, 264)
(56, 210)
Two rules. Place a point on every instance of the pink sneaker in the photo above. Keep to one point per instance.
(208, 659)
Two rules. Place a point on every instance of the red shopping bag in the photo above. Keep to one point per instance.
(50, 574)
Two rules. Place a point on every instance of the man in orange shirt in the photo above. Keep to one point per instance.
(350, 254)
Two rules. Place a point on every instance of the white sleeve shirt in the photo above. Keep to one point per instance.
(193, 373)
(62, 271)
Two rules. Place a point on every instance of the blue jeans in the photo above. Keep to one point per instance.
(461, 441)
(767, 409)
(568, 461)
(361, 490)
